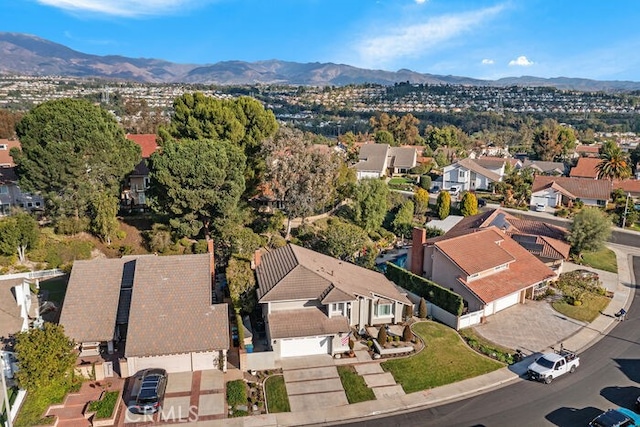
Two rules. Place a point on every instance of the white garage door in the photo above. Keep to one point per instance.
(205, 360)
(507, 301)
(171, 363)
(304, 346)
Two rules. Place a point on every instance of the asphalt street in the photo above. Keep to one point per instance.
(608, 377)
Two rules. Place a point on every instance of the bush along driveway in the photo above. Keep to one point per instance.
(445, 359)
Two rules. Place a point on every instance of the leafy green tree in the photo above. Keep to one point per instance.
(443, 204)
(468, 204)
(18, 233)
(370, 203)
(425, 182)
(193, 182)
(342, 240)
(45, 357)
(447, 136)
(242, 121)
(553, 141)
(242, 283)
(403, 221)
(104, 208)
(302, 178)
(384, 137)
(72, 150)
(421, 199)
(614, 164)
(589, 230)
(344, 182)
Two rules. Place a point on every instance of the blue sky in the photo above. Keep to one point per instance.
(472, 38)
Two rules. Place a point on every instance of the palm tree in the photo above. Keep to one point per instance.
(614, 164)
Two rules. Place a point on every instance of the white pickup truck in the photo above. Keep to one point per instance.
(551, 365)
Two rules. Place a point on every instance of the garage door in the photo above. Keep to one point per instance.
(304, 346)
(205, 360)
(508, 301)
(171, 363)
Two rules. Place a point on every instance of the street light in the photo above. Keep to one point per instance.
(626, 209)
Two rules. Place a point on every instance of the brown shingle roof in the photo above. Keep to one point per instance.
(91, 302)
(10, 319)
(585, 168)
(583, 188)
(476, 252)
(403, 157)
(473, 166)
(295, 273)
(171, 309)
(305, 322)
(490, 162)
(372, 157)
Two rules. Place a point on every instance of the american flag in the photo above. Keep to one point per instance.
(345, 339)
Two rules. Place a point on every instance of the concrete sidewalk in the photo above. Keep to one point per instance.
(581, 340)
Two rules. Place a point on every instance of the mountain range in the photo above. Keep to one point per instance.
(24, 54)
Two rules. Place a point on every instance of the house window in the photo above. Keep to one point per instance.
(3, 146)
(4, 189)
(383, 310)
(338, 308)
(602, 202)
(461, 173)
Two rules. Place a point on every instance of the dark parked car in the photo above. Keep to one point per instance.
(151, 394)
(435, 189)
(620, 417)
(482, 203)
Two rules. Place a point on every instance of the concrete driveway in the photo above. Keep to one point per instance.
(312, 382)
(535, 325)
(189, 397)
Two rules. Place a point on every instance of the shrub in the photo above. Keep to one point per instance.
(407, 334)
(408, 311)
(369, 343)
(425, 182)
(422, 309)
(396, 338)
(71, 226)
(382, 335)
(200, 247)
(125, 250)
(121, 234)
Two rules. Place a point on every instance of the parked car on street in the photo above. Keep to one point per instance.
(551, 365)
(151, 394)
(621, 417)
(541, 207)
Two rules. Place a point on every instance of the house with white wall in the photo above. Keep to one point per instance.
(468, 175)
(557, 191)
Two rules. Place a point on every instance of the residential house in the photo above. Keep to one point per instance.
(629, 186)
(133, 195)
(545, 168)
(147, 311)
(18, 307)
(587, 151)
(558, 191)
(468, 175)
(311, 302)
(496, 165)
(378, 160)
(546, 242)
(489, 269)
(586, 167)
(10, 194)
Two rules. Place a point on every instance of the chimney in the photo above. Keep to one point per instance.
(212, 260)
(419, 238)
(257, 257)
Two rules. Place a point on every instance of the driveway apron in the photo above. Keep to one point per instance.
(312, 382)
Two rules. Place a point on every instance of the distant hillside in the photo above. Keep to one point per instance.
(30, 55)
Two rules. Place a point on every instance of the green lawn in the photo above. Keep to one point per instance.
(445, 359)
(37, 402)
(56, 288)
(591, 307)
(276, 394)
(354, 385)
(604, 259)
(400, 181)
(104, 407)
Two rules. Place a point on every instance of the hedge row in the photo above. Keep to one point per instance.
(431, 291)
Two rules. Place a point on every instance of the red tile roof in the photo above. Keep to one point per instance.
(525, 271)
(585, 168)
(628, 186)
(5, 157)
(146, 141)
(588, 149)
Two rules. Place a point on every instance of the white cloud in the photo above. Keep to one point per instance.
(404, 40)
(487, 61)
(127, 8)
(521, 61)
(420, 1)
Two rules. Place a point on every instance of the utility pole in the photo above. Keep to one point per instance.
(626, 210)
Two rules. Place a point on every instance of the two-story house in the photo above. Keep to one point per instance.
(311, 302)
(468, 175)
(10, 194)
(137, 182)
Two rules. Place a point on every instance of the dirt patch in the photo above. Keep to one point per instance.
(132, 244)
